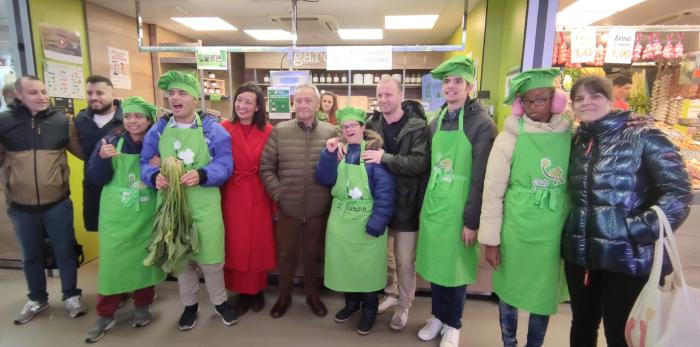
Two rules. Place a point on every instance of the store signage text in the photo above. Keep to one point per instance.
(359, 58)
(583, 45)
(309, 59)
(620, 46)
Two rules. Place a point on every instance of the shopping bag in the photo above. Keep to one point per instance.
(664, 317)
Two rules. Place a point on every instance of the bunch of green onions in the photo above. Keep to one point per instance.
(174, 236)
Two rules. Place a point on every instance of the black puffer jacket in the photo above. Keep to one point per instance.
(616, 173)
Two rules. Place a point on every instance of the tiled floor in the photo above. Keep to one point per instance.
(297, 328)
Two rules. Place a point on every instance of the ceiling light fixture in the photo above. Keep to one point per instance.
(205, 23)
(361, 34)
(270, 35)
(586, 12)
(410, 22)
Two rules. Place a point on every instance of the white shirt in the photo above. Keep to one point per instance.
(102, 119)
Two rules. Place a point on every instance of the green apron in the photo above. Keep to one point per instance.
(534, 211)
(355, 261)
(442, 257)
(205, 202)
(125, 223)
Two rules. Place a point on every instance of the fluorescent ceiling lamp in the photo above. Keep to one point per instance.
(361, 34)
(586, 12)
(205, 23)
(270, 35)
(410, 22)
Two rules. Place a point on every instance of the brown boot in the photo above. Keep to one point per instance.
(316, 305)
(281, 306)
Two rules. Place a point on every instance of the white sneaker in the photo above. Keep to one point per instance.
(431, 330)
(75, 306)
(31, 309)
(450, 337)
(399, 319)
(387, 303)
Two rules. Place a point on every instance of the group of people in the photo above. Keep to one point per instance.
(365, 203)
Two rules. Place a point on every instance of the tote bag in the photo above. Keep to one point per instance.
(660, 317)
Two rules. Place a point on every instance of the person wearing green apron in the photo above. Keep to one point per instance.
(447, 254)
(204, 147)
(363, 203)
(526, 204)
(114, 166)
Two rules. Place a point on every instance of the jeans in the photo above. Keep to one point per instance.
(448, 304)
(58, 223)
(537, 326)
(608, 296)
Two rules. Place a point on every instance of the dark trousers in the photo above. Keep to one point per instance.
(295, 239)
(609, 296)
(537, 326)
(448, 304)
(58, 223)
(369, 302)
(108, 304)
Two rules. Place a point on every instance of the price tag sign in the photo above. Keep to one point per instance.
(620, 46)
(583, 45)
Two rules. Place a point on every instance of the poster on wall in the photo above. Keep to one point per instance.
(212, 59)
(61, 44)
(64, 81)
(119, 73)
(620, 46)
(279, 104)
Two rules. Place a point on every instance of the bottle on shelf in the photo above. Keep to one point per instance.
(266, 79)
(322, 79)
(376, 78)
(344, 78)
(314, 78)
(336, 79)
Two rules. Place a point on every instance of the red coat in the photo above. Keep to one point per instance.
(246, 207)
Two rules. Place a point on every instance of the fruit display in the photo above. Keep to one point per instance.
(693, 166)
(690, 149)
(661, 94)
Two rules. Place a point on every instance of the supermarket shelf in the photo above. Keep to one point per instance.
(178, 60)
(346, 85)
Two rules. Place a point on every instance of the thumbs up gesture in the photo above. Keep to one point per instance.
(107, 150)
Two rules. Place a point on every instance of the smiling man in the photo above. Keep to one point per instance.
(447, 254)
(103, 115)
(287, 168)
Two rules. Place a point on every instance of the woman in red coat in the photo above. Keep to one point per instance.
(247, 209)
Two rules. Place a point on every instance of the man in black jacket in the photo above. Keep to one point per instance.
(101, 117)
(405, 153)
(33, 143)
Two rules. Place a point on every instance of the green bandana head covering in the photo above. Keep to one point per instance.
(350, 113)
(137, 104)
(461, 66)
(529, 80)
(179, 80)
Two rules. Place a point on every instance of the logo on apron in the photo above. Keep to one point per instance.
(553, 174)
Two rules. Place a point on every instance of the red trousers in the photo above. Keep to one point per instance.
(108, 304)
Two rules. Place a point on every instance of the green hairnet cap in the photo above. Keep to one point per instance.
(137, 104)
(350, 113)
(179, 80)
(461, 66)
(529, 80)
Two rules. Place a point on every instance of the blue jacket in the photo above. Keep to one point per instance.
(616, 173)
(381, 185)
(212, 175)
(99, 171)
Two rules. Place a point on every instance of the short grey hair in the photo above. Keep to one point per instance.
(391, 79)
(310, 86)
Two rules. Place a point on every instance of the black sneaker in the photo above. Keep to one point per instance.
(366, 323)
(227, 313)
(188, 319)
(344, 315)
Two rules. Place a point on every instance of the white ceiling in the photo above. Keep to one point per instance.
(256, 14)
(652, 12)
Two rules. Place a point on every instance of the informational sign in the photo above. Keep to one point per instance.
(583, 45)
(212, 59)
(620, 46)
(279, 104)
(64, 80)
(358, 58)
(119, 68)
(61, 44)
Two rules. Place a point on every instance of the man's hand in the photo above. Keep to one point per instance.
(332, 144)
(190, 178)
(493, 256)
(155, 161)
(468, 236)
(161, 181)
(373, 157)
(342, 150)
(107, 150)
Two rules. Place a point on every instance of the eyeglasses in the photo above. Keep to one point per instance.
(350, 126)
(536, 101)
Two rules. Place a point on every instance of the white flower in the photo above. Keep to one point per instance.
(177, 145)
(187, 156)
(355, 193)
